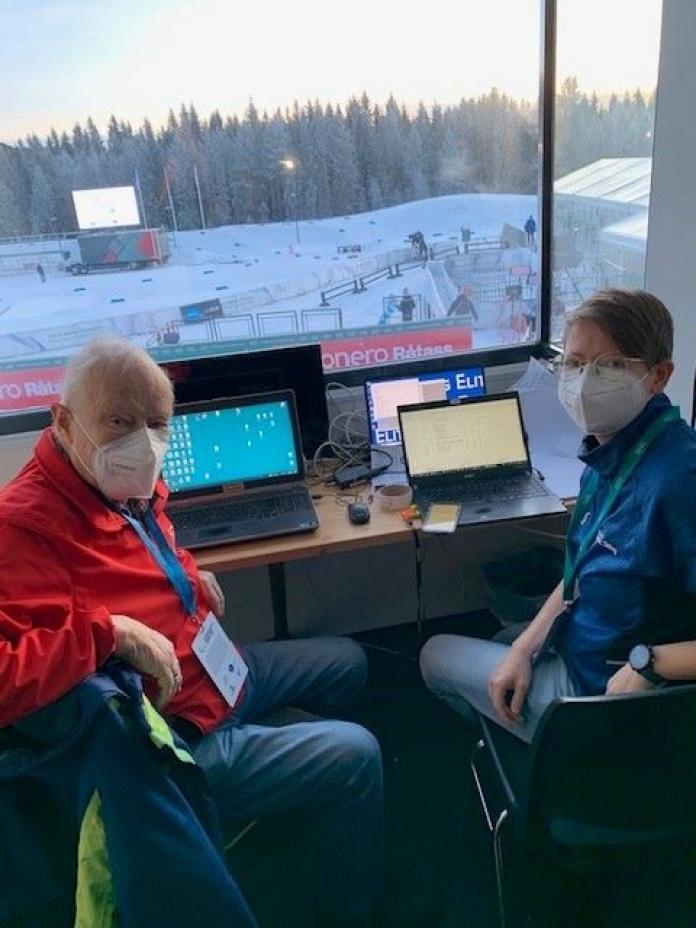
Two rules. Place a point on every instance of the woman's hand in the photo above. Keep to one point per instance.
(509, 684)
(626, 680)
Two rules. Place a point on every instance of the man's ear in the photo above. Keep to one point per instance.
(62, 419)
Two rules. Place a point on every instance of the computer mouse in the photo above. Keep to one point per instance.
(358, 513)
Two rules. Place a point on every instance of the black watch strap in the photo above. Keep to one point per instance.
(638, 662)
(651, 676)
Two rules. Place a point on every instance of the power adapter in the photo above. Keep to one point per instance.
(349, 474)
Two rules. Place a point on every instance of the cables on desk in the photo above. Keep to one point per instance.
(347, 441)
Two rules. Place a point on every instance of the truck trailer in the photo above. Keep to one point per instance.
(129, 250)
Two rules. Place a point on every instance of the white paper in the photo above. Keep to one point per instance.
(554, 439)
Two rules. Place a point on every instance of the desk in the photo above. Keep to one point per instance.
(334, 535)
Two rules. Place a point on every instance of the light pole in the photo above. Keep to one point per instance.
(290, 166)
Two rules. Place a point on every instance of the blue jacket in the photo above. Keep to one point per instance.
(105, 820)
(637, 581)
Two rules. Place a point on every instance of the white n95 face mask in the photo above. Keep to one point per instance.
(600, 406)
(128, 467)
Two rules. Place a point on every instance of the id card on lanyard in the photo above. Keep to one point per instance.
(584, 502)
(220, 659)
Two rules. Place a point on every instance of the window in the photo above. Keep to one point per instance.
(607, 58)
(366, 182)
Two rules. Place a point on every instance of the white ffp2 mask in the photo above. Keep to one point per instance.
(600, 406)
(128, 467)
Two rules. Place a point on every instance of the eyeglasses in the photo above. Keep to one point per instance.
(607, 367)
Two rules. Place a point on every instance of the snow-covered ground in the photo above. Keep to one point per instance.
(257, 269)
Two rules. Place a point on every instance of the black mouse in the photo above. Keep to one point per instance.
(358, 513)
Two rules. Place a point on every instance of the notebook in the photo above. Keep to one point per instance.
(235, 471)
(473, 452)
(383, 397)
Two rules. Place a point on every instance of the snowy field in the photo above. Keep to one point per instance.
(257, 270)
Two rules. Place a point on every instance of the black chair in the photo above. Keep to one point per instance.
(606, 780)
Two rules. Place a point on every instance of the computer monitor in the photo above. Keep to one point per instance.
(384, 396)
(442, 438)
(250, 440)
(298, 368)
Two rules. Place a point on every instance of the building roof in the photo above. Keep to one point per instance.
(618, 180)
(629, 233)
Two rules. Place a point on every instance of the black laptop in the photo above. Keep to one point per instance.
(235, 471)
(473, 452)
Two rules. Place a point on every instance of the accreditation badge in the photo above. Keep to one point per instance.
(221, 660)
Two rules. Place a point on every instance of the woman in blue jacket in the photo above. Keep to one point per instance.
(630, 574)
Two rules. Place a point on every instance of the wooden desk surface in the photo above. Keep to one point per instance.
(335, 534)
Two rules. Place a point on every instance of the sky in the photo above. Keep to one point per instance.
(65, 60)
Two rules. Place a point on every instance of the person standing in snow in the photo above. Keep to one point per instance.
(406, 306)
(530, 229)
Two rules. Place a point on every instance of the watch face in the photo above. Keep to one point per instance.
(639, 658)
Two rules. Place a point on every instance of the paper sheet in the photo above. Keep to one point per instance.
(554, 439)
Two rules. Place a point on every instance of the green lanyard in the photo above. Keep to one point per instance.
(628, 465)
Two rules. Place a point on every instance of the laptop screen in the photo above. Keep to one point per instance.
(385, 396)
(232, 441)
(446, 438)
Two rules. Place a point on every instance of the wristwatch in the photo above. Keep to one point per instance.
(640, 659)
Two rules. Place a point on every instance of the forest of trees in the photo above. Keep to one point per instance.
(348, 159)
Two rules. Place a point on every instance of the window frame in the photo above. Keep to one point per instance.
(37, 419)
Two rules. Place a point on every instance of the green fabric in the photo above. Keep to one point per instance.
(161, 733)
(95, 903)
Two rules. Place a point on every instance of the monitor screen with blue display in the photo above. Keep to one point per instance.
(385, 396)
(235, 442)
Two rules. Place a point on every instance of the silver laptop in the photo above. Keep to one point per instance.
(235, 471)
(474, 452)
(384, 395)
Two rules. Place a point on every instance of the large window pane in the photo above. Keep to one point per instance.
(607, 58)
(368, 181)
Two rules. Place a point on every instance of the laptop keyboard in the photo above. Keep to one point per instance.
(259, 510)
(495, 488)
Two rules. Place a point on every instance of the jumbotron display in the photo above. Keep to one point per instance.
(106, 207)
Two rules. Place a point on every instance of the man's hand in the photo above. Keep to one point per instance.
(513, 675)
(149, 652)
(626, 680)
(216, 598)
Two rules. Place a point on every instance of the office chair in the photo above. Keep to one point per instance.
(603, 779)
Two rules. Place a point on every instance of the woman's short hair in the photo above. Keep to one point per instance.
(639, 324)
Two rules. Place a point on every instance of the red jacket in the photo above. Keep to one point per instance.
(67, 562)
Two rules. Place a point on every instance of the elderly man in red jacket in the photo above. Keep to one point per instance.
(89, 568)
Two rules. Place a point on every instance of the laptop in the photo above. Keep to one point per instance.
(474, 452)
(383, 397)
(235, 470)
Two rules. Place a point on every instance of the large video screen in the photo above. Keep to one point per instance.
(106, 207)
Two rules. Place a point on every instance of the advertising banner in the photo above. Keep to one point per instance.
(392, 348)
(29, 388)
(23, 386)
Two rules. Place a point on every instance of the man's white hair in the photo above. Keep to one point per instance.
(105, 363)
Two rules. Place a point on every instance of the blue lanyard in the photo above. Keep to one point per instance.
(162, 553)
(582, 507)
